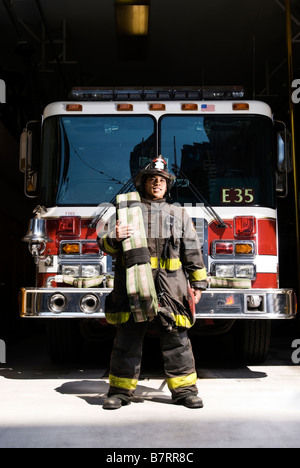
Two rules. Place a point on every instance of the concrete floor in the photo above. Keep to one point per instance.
(43, 405)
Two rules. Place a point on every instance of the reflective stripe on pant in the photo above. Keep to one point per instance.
(179, 363)
(126, 360)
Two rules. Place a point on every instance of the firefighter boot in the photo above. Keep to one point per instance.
(191, 401)
(115, 402)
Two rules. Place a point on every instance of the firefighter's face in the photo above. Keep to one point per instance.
(155, 187)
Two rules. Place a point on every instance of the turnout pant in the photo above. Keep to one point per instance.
(126, 358)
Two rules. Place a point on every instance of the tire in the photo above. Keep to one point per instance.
(252, 340)
(64, 340)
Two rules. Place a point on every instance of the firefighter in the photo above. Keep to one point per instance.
(176, 262)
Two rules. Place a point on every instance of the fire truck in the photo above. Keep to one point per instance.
(231, 160)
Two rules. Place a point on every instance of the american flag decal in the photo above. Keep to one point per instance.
(208, 107)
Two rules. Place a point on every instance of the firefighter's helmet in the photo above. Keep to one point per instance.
(157, 166)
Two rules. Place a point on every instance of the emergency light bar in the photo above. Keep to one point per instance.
(154, 94)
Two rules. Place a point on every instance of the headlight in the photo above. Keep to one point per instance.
(89, 271)
(226, 271)
(245, 271)
(83, 271)
(70, 270)
(234, 270)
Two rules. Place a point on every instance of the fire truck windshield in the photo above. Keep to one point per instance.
(229, 159)
(86, 160)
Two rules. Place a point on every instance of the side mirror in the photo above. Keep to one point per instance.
(283, 159)
(284, 162)
(29, 157)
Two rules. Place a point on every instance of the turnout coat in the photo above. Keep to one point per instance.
(176, 261)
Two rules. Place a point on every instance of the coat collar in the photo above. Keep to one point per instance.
(149, 202)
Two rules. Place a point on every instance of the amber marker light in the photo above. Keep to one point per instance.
(240, 106)
(125, 107)
(157, 107)
(74, 107)
(189, 107)
(70, 249)
(244, 249)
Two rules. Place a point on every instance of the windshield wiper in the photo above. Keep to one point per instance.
(125, 188)
(220, 223)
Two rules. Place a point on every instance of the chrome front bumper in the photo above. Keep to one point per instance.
(214, 303)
